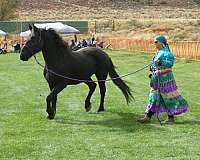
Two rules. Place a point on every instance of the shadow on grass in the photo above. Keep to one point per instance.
(188, 122)
(113, 121)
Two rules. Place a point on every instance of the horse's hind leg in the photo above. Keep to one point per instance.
(102, 88)
(92, 86)
(52, 98)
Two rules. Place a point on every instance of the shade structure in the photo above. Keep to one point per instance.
(59, 27)
(2, 33)
(68, 30)
(25, 34)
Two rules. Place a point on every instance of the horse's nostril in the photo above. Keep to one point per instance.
(23, 58)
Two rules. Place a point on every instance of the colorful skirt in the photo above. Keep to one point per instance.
(164, 97)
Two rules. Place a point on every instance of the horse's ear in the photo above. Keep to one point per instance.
(30, 27)
(35, 28)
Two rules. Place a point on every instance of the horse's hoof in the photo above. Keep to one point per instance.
(87, 109)
(50, 117)
(100, 110)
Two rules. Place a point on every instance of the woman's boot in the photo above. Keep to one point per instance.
(145, 119)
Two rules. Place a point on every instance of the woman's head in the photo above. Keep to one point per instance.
(160, 41)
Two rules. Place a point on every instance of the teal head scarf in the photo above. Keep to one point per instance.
(160, 39)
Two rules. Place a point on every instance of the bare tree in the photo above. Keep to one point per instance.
(8, 8)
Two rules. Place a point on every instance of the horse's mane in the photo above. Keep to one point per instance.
(58, 39)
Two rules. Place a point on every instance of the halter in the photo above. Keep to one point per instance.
(29, 48)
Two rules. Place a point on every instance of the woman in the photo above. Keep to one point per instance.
(163, 96)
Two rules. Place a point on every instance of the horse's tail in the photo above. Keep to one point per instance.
(120, 83)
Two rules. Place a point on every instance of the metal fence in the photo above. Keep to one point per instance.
(19, 26)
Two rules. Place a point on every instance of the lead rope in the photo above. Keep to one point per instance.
(159, 98)
(84, 80)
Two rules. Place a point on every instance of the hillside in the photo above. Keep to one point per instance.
(107, 9)
(179, 19)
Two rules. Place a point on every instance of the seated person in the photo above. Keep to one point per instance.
(108, 45)
(84, 43)
(3, 50)
(73, 44)
(17, 47)
(93, 41)
(101, 43)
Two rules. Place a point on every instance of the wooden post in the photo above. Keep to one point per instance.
(95, 26)
(113, 25)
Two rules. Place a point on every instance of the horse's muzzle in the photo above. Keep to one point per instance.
(23, 58)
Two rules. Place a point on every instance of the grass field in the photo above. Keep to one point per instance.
(76, 135)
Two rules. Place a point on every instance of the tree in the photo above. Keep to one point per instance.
(8, 8)
(197, 2)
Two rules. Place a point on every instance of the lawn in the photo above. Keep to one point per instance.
(26, 133)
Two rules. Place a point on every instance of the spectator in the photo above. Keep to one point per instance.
(75, 39)
(17, 48)
(108, 45)
(73, 44)
(101, 43)
(93, 40)
(84, 43)
(3, 50)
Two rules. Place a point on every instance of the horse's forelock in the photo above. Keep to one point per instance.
(32, 32)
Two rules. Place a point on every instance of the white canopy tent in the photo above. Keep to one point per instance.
(25, 34)
(2, 33)
(59, 27)
(68, 30)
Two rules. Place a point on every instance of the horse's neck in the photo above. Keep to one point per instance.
(55, 56)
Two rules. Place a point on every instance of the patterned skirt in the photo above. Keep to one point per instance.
(164, 97)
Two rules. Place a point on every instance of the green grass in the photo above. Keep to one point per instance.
(76, 135)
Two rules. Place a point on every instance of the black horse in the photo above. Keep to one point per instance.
(66, 67)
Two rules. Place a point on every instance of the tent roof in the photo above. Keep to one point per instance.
(2, 33)
(59, 27)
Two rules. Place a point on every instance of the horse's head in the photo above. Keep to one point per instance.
(33, 45)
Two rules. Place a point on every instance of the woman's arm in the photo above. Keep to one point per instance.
(168, 60)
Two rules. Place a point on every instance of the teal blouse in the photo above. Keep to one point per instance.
(165, 56)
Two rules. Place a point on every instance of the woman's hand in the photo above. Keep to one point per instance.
(157, 72)
(150, 75)
(158, 62)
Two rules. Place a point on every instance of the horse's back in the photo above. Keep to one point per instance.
(94, 53)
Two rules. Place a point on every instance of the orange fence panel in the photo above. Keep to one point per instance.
(189, 50)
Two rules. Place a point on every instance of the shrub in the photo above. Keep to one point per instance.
(7, 8)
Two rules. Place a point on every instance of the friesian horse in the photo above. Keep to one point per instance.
(66, 67)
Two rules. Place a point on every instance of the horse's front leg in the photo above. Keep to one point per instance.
(52, 99)
(51, 106)
(102, 87)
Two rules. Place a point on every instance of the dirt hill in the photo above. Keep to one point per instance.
(107, 9)
(117, 4)
(179, 19)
